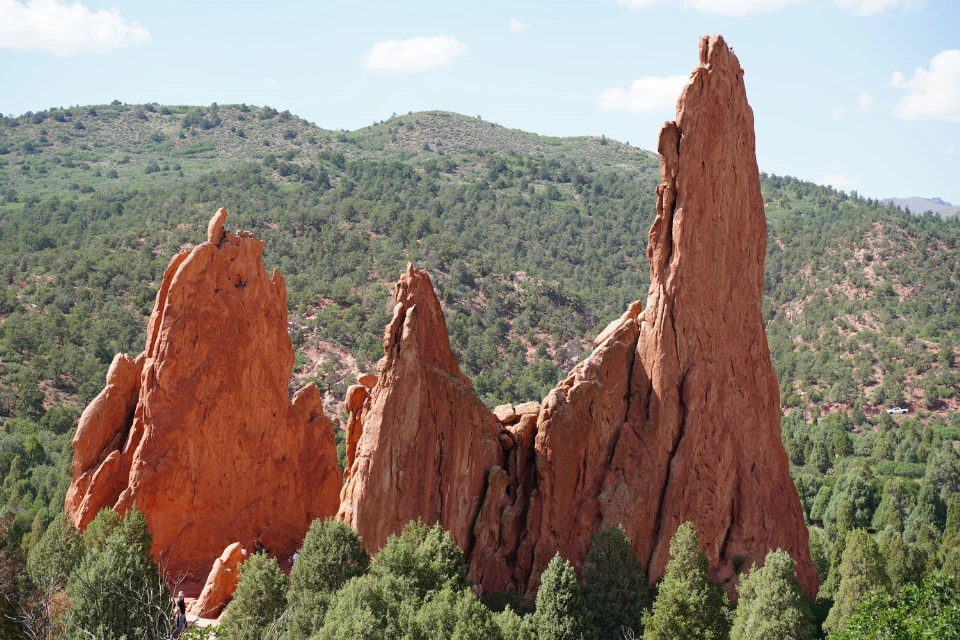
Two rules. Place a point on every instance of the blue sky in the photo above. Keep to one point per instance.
(860, 94)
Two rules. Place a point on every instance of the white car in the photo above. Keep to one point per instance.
(898, 410)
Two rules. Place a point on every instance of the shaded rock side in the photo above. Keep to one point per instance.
(420, 443)
(221, 583)
(199, 431)
(675, 415)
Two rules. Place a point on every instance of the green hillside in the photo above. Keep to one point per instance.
(534, 244)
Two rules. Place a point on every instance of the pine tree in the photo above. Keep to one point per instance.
(117, 590)
(332, 553)
(561, 612)
(861, 571)
(772, 604)
(688, 605)
(260, 598)
(929, 509)
(615, 588)
(55, 556)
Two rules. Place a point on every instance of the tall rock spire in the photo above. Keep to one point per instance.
(675, 415)
(421, 443)
(199, 430)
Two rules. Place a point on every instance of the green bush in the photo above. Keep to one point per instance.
(258, 602)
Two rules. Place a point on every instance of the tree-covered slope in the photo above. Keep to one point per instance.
(534, 244)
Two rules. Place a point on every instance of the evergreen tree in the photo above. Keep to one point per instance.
(561, 612)
(820, 552)
(929, 510)
(450, 614)
(772, 604)
(332, 553)
(615, 588)
(117, 591)
(421, 568)
(901, 561)
(951, 531)
(829, 586)
(514, 627)
(931, 610)
(688, 605)
(58, 552)
(861, 571)
(888, 514)
(98, 531)
(258, 602)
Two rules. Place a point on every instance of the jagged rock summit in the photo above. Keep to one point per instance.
(673, 417)
(199, 430)
(420, 443)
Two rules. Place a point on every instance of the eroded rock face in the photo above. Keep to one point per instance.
(421, 443)
(675, 415)
(199, 431)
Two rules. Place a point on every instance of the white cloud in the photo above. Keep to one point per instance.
(873, 7)
(739, 8)
(866, 102)
(64, 28)
(948, 151)
(270, 80)
(839, 111)
(516, 25)
(414, 54)
(725, 7)
(841, 182)
(644, 95)
(932, 94)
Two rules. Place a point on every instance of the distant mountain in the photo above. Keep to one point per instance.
(922, 205)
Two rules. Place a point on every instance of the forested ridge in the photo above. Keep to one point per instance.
(534, 244)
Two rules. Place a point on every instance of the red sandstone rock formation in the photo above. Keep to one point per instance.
(420, 443)
(199, 430)
(675, 415)
(221, 583)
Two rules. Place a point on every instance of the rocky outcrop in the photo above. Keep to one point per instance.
(221, 583)
(675, 415)
(421, 443)
(199, 430)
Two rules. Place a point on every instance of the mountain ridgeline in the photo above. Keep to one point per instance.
(534, 244)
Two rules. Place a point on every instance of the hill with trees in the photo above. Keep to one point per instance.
(534, 244)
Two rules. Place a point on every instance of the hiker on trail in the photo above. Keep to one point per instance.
(181, 612)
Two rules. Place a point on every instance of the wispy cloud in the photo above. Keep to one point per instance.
(873, 7)
(739, 8)
(414, 54)
(516, 25)
(865, 102)
(948, 151)
(723, 7)
(838, 181)
(932, 94)
(839, 111)
(65, 28)
(644, 95)
(269, 80)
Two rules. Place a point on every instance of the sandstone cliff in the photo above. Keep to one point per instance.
(675, 415)
(199, 430)
(420, 443)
